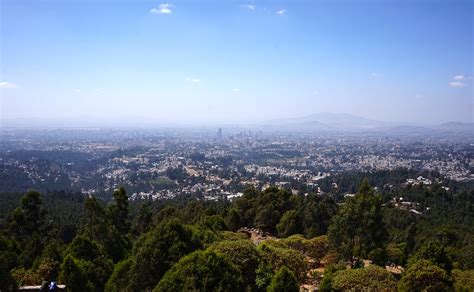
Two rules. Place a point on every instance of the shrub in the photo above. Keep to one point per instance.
(373, 278)
(202, 271)
(424, 275)
(283, 281)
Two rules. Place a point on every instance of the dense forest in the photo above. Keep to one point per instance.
(270, 240)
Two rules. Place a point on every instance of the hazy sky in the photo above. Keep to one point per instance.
(236, 62)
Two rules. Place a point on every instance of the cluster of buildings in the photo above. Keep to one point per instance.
(164, 164)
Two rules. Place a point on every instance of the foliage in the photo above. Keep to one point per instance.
(289, 224)
(434, 253)
(278, 256)
(87, 261)
(118, 211)
(72, 276)
(24, 277)
(243, 254)
(202, 271)
(358, 226)
(142, 221)
(233, 220)
(119, 280)
(158, 250)
(371, 278)
(426, 276)
(463, 280)
(329, 271)
(145, 240)
(315, 247)
(283, 281)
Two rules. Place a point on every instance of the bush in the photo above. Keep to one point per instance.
(373, 278)
(120, 277)
(463, 280)
(202, 271)
(283, 281)
(241, 253)
(289, 224)
(424, 275)
(24, 277)
(158, 250)
(315, 247)
(277, 257)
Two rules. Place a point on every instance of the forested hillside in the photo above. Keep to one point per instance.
(270, 240)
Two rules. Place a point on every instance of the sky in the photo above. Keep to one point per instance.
(211, 62)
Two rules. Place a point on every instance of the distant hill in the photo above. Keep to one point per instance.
(456, 126)
(327, 121)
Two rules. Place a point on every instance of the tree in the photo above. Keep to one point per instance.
(97, 227)
(289, 224)
(434, 253)
(283, 281)
(94, 221)
(233, 220)
(202, 271)
(29, 217)
(72, 276)
(423, 275)
(463, 280)
(118, 212)
(213, 222)
(371, 278)
(358, 227)
(142, 221)
(91, 260)
(317, 214)
(276, 255)
(270, 205)
(155, 252)
(241, 253)
(7, 283)
(119, 280)
(316, 247)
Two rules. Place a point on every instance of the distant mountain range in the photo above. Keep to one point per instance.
(346, 122)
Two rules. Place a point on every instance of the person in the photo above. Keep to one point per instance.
(53, 286)
(44, 286)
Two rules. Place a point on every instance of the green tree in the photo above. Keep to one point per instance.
(118, 211)
(423, 275)
(463, 280)
(97, 227)
(29, 218)
(202, 271)
(214, 223)
(358, 227)
(142, 221)
(289, 224)
(84, 248)
(270, 205)
(157, 251)
(241, 253)
(316, 215)
(233, 220)
(371, 278)
(283, 281)
(7, 283)
(119, 280)
(72, 276)
(434, 253)
(91, 260)
(276, 255)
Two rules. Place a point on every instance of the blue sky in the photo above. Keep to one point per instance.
(236, 62)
